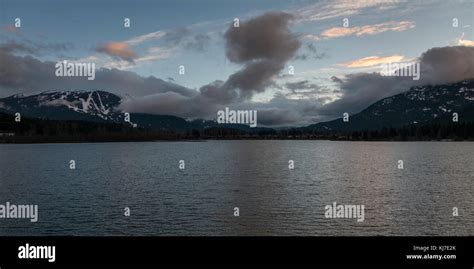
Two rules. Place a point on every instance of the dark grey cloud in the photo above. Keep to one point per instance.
(263, 44)
(309, 90)
(172, 103)
(359, 90)
(263, 37)
(168, 103)
(34, 48)
(282, 111)
(302, 85)
(25, 74)
(216, 92)
(310, 53)
(302, 57)
(255, 77)
(202, 104)
(447, 64)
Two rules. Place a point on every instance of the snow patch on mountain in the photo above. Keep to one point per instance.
(88, 105)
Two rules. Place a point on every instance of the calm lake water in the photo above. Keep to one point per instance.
(251, 175)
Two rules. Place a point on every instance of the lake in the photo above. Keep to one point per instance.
(254, 176)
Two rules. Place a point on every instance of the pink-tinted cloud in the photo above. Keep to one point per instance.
(117, 49)
(372, 61)
(465, 42)
(372, 29)
(9, 28)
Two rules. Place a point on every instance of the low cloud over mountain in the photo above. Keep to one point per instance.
(437, 66)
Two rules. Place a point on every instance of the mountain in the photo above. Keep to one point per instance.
(421, 113)
(97, 106)
(419, 105)
(100, 107)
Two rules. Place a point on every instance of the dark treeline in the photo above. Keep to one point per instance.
(51, 131)
(45, 131)
(434, 131)
(416, 132)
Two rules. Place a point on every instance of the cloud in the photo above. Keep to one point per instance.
(260, 47)
(263, 44)
(124, 57)
(442, 65)
(34, 48)
(312, 37)
(282, 111)
(168, 103)
(175, 36)
(323, 10)
(124, 54)
(184, 37)
(360, 90)
(15, 47)
(263, 37)
(117, 49)
(25, 74)
(304, 84)
(155, 53)
(152, 54)
(372, 61)
(367, 29)
(145, 38)
(465, 42)
(305, 89)
(9, 28)
(447, 64)
(199, 42)
(310, 52)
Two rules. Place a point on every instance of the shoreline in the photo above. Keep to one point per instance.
(25, 142)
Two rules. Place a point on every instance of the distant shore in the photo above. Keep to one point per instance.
(32, 131)
(59, 140)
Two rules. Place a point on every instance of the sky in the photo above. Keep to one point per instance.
(335, 49)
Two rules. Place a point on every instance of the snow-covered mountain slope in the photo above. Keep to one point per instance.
(418, 105)
(71, 105)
